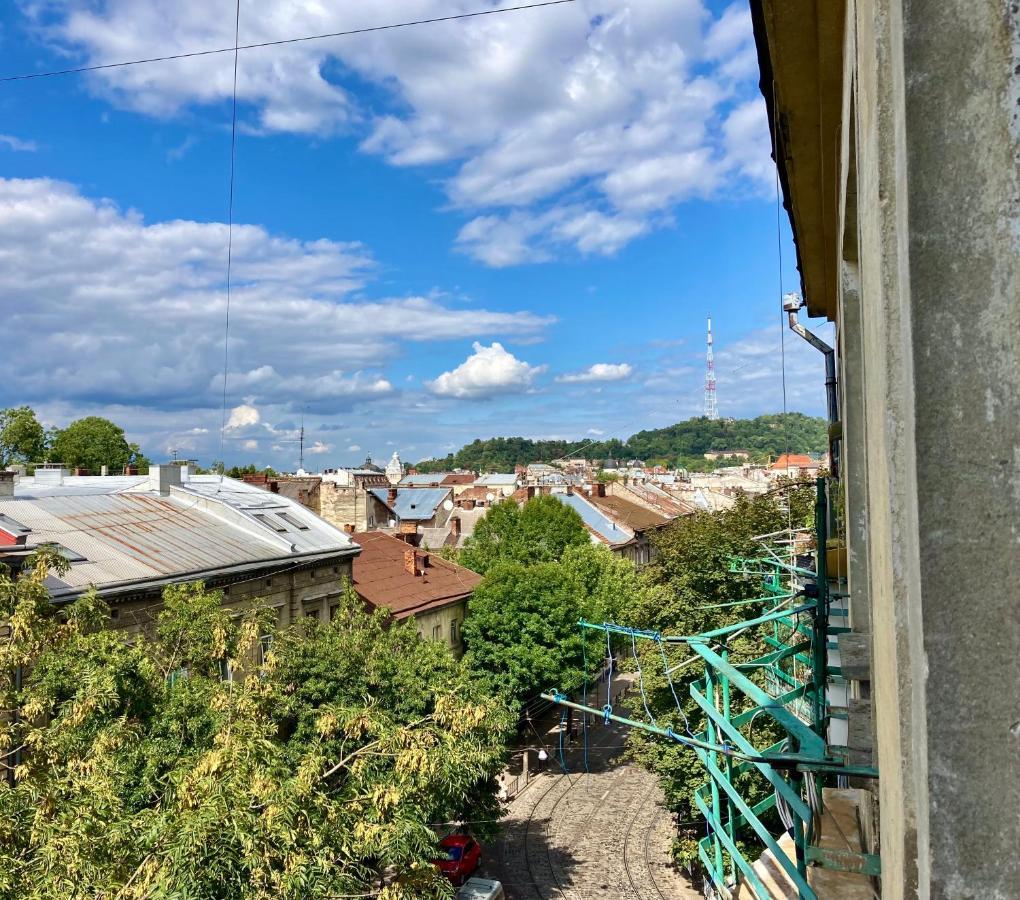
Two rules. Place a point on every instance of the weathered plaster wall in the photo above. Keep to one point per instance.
(293, 593)
(436, 625)
(939, 248)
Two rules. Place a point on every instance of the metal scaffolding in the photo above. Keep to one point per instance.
(788, 685)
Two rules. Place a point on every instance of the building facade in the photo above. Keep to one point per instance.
(896, 130)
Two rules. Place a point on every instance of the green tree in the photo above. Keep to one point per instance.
(22, 438)
(540, 531)
(94, 442)
(521, 631)
(316, 773)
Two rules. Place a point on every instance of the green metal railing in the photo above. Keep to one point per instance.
(788, 685)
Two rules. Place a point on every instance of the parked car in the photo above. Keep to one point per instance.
(481, 889)
(461, 855)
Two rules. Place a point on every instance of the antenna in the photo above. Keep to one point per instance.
(711, 407)
(301, 457)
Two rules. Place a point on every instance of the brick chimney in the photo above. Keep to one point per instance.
(455, 527)
(130, 470)
(598, 489)
(415, 561)
(391, 496)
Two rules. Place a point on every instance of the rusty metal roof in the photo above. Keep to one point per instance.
(131, 534)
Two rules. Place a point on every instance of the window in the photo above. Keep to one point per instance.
(312, 613)
(264, 648)
(437, 632)
(270, 522)
(226, 670)
(269, 582)
(454, 635)
(288, 519)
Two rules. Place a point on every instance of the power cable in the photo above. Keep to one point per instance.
(230, 226)
(27, 76)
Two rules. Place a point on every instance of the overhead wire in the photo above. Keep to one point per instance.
(75, 70)
(230, 225)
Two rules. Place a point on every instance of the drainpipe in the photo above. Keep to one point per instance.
(791, 304)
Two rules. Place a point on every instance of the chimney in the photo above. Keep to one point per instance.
(469, 504)
(455, 526)
(104, 471)
(161, 478)
(415, 561)
(6, 485)
(598, 489)
(130, 470)
(391, 496)
(570, 489)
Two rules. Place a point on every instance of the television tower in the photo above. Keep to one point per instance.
(711, 409)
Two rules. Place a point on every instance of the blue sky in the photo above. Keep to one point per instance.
(513, 224)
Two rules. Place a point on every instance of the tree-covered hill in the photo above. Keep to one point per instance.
(682, 444)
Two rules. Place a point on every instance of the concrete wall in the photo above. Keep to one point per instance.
(293, 593)
(933, 432)
(437, 625)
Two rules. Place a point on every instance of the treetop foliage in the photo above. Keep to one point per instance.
(541, 574)
(178, 766)
(682, 444)
(88, 443)
(537, 532)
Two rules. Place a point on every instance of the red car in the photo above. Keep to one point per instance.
(461, 855)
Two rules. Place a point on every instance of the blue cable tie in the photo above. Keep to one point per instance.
(607, 711)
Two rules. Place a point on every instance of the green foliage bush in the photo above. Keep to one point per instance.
(314, 773)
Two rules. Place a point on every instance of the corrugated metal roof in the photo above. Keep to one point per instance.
(413, 504)
(595, 519)
(134, 537)
(128, 533)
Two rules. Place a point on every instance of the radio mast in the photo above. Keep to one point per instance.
(711, 408)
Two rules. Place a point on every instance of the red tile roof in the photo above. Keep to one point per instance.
(458, 478)
(381, 579)
(793, 459)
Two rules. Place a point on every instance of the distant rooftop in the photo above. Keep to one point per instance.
(412, 504)
(382, 578)
(596, 520)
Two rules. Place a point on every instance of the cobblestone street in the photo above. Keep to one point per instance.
(601, 834)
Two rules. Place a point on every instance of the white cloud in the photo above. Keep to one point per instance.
(17, 144)
(487, 372)
(748, 147)
(250, 445)
(104, 293)
(354, 448)
(243, 416)
(598, 432)
(319, 448)
(599, 372)
(616, 109)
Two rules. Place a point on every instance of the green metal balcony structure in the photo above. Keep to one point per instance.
(789, 686)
